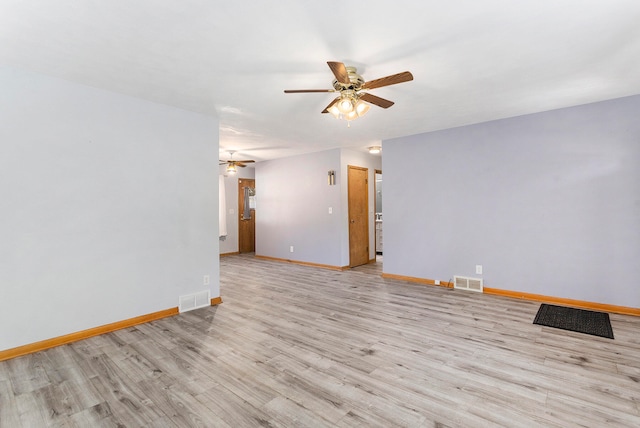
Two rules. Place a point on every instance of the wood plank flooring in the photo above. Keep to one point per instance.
(296, 346)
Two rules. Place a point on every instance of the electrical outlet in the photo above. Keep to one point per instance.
(330, 210)
(291, 249)
(437, 282)
(478, 269)
(206, 279)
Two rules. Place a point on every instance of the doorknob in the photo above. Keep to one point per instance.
(353, 221)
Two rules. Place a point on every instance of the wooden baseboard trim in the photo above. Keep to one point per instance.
(426, 281)
(296, 262)
(84, 334)
(235, 253)
(216, 301)
(604, 307)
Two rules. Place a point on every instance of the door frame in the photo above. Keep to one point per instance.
(241, 221)
(375, 205)
(351, 219)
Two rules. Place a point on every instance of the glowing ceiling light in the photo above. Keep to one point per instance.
(345, 105)
(349, 107)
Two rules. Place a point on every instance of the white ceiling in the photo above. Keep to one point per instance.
(473, 60)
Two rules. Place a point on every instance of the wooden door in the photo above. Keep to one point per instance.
(358, 195)
(246, 226)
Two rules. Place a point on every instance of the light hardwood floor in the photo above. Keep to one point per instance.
(297, 346)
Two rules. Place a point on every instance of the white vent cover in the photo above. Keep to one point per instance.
(194, 301)
(466, 283)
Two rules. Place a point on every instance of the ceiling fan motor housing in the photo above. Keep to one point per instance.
(356, 81)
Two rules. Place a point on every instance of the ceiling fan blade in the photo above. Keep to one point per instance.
(245, 161)
(380, 102)
(340, 71)
(241, 165)
(326, 109)
(298, 91)
(405, 76)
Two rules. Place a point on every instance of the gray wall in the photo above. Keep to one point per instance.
(293, 206)
(548, 203)
(109, 207)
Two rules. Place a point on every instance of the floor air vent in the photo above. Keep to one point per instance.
(465, 283)
(194, 301)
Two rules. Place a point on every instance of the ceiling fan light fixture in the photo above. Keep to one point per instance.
(231, 168)
(375, 149)
(362, 108)
(334, 111)
(345, 105)
(349, 107)
(351, 115)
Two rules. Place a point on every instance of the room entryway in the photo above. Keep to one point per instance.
(378, 215)
(358, 197)
(246, 215)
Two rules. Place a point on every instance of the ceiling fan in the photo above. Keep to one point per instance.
(353, 98)
(232, 164)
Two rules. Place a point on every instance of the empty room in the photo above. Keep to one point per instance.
(319, 214)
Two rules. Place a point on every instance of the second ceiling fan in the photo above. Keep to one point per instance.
(232, 164)
(353, 98)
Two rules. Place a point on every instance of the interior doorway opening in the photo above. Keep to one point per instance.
(378, 215)
(358, 200)
(246, 215)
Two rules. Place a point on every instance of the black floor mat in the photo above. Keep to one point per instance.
(580, 320)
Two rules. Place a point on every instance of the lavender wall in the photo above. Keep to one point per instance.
(548, 203)
(109, 207)
(292, 208)
(293, 200)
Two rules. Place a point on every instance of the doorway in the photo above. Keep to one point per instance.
(358, 199)
(246, 215)
(378, 211)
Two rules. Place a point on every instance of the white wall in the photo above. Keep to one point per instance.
(109, 207)
(548, 203)
(230, 244)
